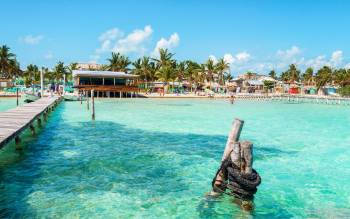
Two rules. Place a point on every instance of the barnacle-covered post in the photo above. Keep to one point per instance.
(231, 146)
(236, 172)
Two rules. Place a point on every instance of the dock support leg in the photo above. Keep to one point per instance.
(45, 115)
(39, 122)
(32, 129)
(87, 100)
(92, 105)
(17, 96)
(120, 94)
(18, 142)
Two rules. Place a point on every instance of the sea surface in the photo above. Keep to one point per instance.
(8, 103)
(155, 158)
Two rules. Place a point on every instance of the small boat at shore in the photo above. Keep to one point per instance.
(71, 97)
(28, 98)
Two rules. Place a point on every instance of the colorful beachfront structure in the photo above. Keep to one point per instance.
(105, 83)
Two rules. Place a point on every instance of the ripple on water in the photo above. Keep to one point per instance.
(155, 159)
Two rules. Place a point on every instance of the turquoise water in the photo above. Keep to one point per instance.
(146, 158)
(8, 103)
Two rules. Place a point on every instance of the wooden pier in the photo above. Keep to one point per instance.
(14, 121)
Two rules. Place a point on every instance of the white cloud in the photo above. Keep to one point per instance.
(228, 58)
(48, 55)
(107, 39)
(318, 62)
(112, 41)
(134, 42)
(289, 53)
(111, 34)
(242, 57)
(336, 58)
(170, 43)
(32, 40)
(347, 66)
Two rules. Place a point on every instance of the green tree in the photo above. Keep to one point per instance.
(272, 74)
(222, 67)
(210, 70)
(166, 74)
(308, 76)
(119, 63)
(323, 77)
(341, 77)
(9, 66)
(59, 71)
(31, 75)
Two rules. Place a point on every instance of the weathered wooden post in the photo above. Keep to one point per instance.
(232, 145)
(236, 172)
(39, 122)
(81, 97)
(92, 105)
(32, 129)
(18, 143)
(87, 100)
(17, 96)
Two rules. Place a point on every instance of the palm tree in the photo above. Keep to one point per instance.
(119, 62)
(9, 67)
(165, 58)
(31, 75)
(294, 73)
(191, 72)
(59, 71)
(210, 71)
(222, 66)
(72, 66)
(166, 74)
(308, 76)
(323, 77)
(272, 74)
(342, 77)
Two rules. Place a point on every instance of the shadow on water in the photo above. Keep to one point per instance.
(262, 153)
(96, 156)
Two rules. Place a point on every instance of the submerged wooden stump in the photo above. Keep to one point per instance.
(236, 172)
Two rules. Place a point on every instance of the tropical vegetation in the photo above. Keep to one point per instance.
(167, 69)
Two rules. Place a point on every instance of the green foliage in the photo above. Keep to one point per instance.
(323, 76)
(291, 75)
(308, 76)
(118, 62)
(9, 66)
(344, 91)
(272, 74)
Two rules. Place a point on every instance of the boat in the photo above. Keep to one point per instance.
(28, 98)
(72, 97)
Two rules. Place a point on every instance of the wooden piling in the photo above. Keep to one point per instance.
(92, 105)
(232, 145)
(39, 122)
(32, 129)
(87, 100)
(233, 137)
(17, 96)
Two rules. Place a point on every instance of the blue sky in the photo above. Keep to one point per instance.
(252, 35)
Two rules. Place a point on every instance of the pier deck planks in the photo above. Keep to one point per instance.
(14, 121)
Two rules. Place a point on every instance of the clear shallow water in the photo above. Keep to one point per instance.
(7, 103)
(147, 158)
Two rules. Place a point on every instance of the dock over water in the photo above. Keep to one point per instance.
(14, 121)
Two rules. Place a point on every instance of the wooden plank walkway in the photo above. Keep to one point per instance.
(14, 121)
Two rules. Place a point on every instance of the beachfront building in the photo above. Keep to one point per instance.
(5, 83)
(106, 83)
